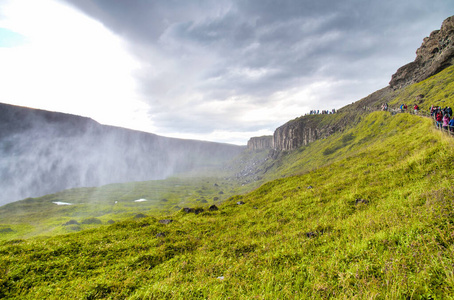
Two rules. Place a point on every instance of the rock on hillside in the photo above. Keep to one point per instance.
(43, 152)
(435, 54)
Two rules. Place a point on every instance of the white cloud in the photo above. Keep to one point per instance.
(220, 71)
(69, 63)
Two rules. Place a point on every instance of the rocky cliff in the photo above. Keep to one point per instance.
(261, 143)
(300, 132)
(435, 54)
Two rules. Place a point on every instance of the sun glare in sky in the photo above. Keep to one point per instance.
(55, 58)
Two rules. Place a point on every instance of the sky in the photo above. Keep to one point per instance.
(220, 70)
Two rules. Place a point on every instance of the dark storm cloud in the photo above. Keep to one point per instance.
(207, 64)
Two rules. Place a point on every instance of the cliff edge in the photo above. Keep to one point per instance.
(435, 54)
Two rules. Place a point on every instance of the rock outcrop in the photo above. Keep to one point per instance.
(261, 143)
(435, 54)
(300, 132)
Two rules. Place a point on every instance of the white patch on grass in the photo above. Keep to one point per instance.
(140, 200)
(62, 203)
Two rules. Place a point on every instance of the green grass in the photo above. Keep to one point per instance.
(437, 90)
(41, 216)
(367, 213)
(287, 241)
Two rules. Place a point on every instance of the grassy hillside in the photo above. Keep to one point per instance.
(366, 213)
(437, 90)
(372, 220)
(40, 216)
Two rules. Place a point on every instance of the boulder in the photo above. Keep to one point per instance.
(71, 222)
(165, 221)
(213, 208)
(363, 201)
(198, 211)
(139, 216)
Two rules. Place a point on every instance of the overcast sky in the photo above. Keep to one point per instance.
(218, 70)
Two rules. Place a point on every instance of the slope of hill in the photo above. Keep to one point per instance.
(246, 172)
(374, 222)
(44, 152)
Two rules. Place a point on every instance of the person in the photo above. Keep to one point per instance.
(451, 125)
(401, 108)
(439, 118)
(446, 121)
(416, 108)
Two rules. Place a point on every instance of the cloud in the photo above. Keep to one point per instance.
(70, 63)
(232, 66)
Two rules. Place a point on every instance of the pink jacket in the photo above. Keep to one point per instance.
(445, 121)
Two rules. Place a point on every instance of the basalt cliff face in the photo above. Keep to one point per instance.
(299, 133)
(435, 54)
(261, 143)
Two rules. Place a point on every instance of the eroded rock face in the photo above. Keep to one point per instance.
(297, 133)
(435, 54)
(260, 143)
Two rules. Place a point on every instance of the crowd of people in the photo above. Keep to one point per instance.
(443, 117)
(403, 108)
(323, 112)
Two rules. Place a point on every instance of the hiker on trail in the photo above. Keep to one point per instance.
(401, 108)
(446, 121)
(384, 107)
(439, 118)
(451, 125)
(449, 111)
(416, 108)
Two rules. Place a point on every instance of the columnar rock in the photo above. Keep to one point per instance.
(260, 143)
(300, 132)
(435, 54)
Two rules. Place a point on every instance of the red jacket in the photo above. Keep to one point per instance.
(439, 117)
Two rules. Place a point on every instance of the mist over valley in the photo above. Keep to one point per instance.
(43, 152)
